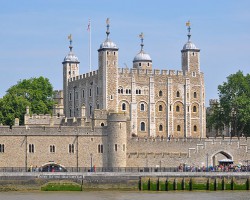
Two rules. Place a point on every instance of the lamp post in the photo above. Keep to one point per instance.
(207, 162)
(91, 161)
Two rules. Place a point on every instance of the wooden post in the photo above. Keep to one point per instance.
(223, 184)
(167, 184)
(183, 184)
(191, 184)
(232, 183)
(215, 184)
(149, 184)
(158, 185)
(174, 184)
(247, 184)
(208, 184)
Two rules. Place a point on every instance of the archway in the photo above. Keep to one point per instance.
(52, 167)
(222, 157)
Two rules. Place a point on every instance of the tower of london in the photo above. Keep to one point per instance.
(122, 117)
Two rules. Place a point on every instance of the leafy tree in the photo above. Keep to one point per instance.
(234, 105)
(36, 93)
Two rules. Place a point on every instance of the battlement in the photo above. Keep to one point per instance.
(42, 119)
(150, 72)
(117, 117)
(84, 76)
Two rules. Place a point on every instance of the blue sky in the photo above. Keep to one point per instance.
(34, 35)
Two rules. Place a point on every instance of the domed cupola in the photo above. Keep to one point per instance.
(71, 57)
(142, 60)
(108, 44)
(189, 45)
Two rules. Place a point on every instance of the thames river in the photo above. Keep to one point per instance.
(115, 195)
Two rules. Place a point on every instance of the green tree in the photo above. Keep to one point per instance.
(234, 105)
(36, 93)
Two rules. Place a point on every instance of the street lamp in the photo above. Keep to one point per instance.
(91, 161)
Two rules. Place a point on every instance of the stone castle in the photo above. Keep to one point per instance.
(122, 117)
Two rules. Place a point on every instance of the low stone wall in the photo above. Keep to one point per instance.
(130, 181)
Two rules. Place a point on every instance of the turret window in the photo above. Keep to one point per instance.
(123, 106)
(139, 64)
(195, 128)
(160, 108)
(1, 148)
(195, 95)
(178, 128)
(100, 148)
(160, 127)
(31, 148)
(52, 149)
(177, 108)
(142, 107)
(177, 94)
(71, 148)
(70, 96)
(97, 90)
(160, 93)
(143, 126)
(194, 109)
(90, 92)
(82, 93)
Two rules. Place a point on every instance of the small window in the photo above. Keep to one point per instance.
(178, 128)
(31, 148)
(123, 106)
(82, 93)
(97, 106)
(116, 147)
(100, 148)
(102, 124)
(195, 128)
(177, 94)
(1, 148)
(139, 91)
(139, 64)
(142, 126)
(119, 91)
(142, 107)
(177, 108)
(136, 92)
(111, 97)
(107, 53)
(195, 95)
(70, 96)
(90, 92)
(194, 109)
(70, 112)
(160, 108)
(90, 109)
(52, 149)
(160, 93)
(114, 53)
(122, 91)
(71, 148)
(97, 90)
(170, 108)
(188, 108)
(148, 64)
(194, 74)
(126, 91)
(160, 127)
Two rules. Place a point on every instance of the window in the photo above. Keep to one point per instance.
(177, 94)
(160, 108)
(119, 91)
(160, 93)
(188, 108)
(1, 148)
(90, 109)
(170, 108)
(178, 128)
(114, 53)
(52, 149)
(195, 95)
(100, 148)
(90, 92)
(148, 64)
(139, 64)
(136, 92)
(142, 126)
(160, 127)
(194, 74)
(31, 148)
(107, 53)
(97, 90)
(177, 108)
(111, 97)
(82, 93)
(70, 96)
(142, 107)
(129, 91)
(194, 109)
(123, 106)
(71, 148)
(102, 124)
(195, 128)
(115, 147)
(122, 91)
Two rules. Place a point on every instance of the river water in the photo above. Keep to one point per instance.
(117, 195)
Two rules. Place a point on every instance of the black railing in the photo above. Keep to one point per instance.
(127, 169)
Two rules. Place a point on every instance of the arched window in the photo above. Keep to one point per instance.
(160, 93)
(177, 108)
(160, 128)
(123, 106)
(178, 128)
(160, 107)
(142, 126)
(102, 124)
(90, 109)
(119, 91)
(195, 95)
(177, 94)
(142, 107)
(194, 109)
(195, 128)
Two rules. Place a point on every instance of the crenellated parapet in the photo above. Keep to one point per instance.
(89, 75)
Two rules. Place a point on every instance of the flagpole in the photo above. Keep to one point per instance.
(89, 46)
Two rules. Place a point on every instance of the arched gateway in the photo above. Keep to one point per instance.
(222, 157)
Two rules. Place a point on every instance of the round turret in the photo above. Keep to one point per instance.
(117, 139)
(142, 60)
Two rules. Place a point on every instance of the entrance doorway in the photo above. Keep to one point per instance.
(222, 158)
